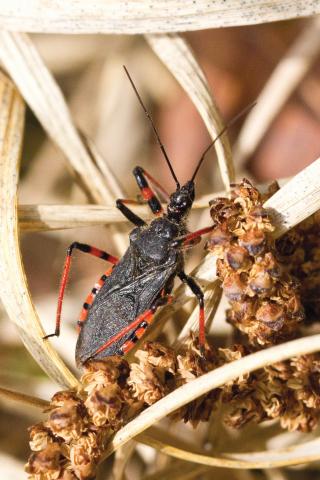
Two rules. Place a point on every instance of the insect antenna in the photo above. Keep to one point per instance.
(163, 150)
(232, 121)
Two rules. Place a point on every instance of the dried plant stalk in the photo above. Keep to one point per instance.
(296, 200)
(14, 290)
(23, 398)
(44, 97)
(79, 16)
(293, 67)
(177, 56)
(56, 217)
(294, 455)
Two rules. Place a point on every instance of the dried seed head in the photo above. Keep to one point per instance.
(237, 258)
(253, 241)
(272, 315)
(260, 281)
(69, 419)
(82, 463)
(40, 436)
(220, 237)
(104, 405)
(48, 461)
(112, 369)
(159, 356)
(234, 287)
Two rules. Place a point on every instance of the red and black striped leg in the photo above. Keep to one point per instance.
(191, 238)
(83, 247)
(147, 193)
(194, 287)
(88, 302)
(156, 185)
(138, 326)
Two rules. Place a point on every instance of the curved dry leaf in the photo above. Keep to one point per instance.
(293, 67)
(99, 16)
(214, 379)
(41, 92)
(298, 454)
(14, 290)
(178, 57)
(296, 200)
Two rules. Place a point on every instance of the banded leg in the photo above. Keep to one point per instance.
(191, 238)
(147, 193)
(139, 326)
(83, 247)
(194, 287)
(89, 300)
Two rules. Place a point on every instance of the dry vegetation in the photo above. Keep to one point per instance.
(78, 141)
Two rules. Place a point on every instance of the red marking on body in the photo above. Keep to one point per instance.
(147, 316)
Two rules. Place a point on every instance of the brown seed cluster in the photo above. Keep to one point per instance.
(264, 298)
(299, 249)
(69, 444)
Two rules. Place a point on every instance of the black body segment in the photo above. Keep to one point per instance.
(148, 266)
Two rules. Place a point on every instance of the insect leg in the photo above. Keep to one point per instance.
(129, 214)
(83, 247)
(147, 193)
(194, 287)
(139, 324)
(191, 238)
(92, 295)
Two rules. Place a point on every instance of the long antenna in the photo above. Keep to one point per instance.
(153, 128)
(232, 121)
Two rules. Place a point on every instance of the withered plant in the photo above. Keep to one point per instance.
(261, 264)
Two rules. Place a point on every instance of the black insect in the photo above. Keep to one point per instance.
(123, 302)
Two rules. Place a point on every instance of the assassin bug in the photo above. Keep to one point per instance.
(123, 302)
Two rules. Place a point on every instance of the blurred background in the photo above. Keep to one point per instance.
(238, 63)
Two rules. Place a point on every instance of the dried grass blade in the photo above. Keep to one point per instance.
(178, 471)
(209, 381)
(293, 67)
(295, 455)
(56, 217)
(178, 57)
(14, 290)
(23, 398)
(296, 200)
(81, 16)
(121, 459)
(41, 92)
